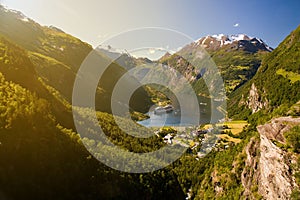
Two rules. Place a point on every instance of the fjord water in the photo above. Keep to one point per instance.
(174, 118)
(164, 119)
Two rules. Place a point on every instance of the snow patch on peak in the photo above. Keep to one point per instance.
(239, 37)
(203, 42)
(25, 19)
(219, 36)
(110, 49)
(269, 48)
(222, 39)
(229, 39)
(4, 8)
(262, 42)
(259, 40)
(18, 14)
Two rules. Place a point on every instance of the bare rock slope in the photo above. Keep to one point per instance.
(268, 166)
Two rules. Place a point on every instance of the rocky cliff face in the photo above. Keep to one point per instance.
(249, 175)
(268, 170)
(255, 102)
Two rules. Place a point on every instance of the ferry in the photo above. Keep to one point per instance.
(166, 109)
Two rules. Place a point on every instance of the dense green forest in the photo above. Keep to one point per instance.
(43, 156)
(279, 90)
(42, 159)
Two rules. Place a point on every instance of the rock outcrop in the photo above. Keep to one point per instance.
(250, 174)
(267, 165)
(276, 179)
(255, 102)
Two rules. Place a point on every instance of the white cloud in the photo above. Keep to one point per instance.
(236, 25)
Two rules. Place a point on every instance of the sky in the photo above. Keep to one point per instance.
(94, 21)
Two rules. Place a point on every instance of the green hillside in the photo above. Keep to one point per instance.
(56, 57)
(277, 80)
(40, 159)
(42, 156)
(236, 64)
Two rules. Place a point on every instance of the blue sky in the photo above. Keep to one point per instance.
(95, 20)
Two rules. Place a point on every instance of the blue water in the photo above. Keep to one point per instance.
(172, 119)
(166, 119)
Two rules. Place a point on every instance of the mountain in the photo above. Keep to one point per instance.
(42, 159)
(57, 56)
(237, 58)
(270, 101)
(265, 164)
(240, 41)
(122, 57)
(275, 86)
(42, 156)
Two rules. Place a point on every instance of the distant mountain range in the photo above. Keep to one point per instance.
(237, 58)
(240, 41)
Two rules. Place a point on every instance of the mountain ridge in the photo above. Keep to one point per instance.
(237, 61)
(219, 40)
(273, 79)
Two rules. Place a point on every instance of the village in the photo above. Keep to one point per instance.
(201, 140)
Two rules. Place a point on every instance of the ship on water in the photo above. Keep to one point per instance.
(166, 109)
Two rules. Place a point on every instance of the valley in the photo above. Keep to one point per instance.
(250, 150)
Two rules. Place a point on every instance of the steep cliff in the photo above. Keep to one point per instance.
(268, 173)
(254, 101)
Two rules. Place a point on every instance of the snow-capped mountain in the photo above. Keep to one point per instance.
(121, 56)
(214, 42)
(19, 15)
